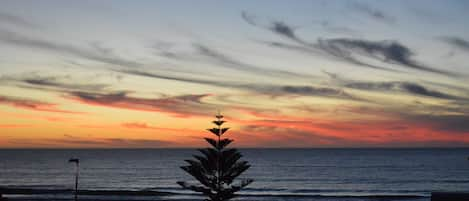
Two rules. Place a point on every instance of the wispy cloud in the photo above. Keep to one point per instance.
(33, 105)
(277, 27)
(99, 47)
(235, 64)
(305, 90)
(454, 87)
(138, 125)
(322, 48)
(392, 128)
(373, 13)
(411, 88)
(318, 48)
(51, 83)
(180, 106)
(349, 50)
(285, 30)
(90, 142)
(391, 52)
(443, 123)
(336, 51)
(178, 78)
(204, 53)
(272, 136)
(165, 49)
(18, 39)
(14, 125)
(406, 87)
(335, 29)
(17, 21)
(50, 117)
(265, 89)
(457, 42)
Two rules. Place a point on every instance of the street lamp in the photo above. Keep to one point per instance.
(77, 167)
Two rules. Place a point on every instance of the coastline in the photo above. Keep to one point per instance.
(25, 194)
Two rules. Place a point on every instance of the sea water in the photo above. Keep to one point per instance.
(279, 174)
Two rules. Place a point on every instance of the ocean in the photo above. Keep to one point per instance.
(279, 174)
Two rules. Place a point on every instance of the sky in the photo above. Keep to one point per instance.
(152, 74)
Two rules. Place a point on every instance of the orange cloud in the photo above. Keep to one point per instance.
(392, 133)
(14, 125)
(80, 142)
(179, 106)
(394, 129)
(138, 125)
(33, 105)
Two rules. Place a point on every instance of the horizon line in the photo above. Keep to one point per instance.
(142, 148)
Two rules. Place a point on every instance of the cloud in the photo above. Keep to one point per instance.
(334, 49)
(457, 42)
(461, 89)
(299, 48)
(17, 21)
(322, 48)
(89, 142)
(347, 49)
(277, 27)
(329, 27)
(308, 90)
(14, 125)
(272, 136)
(284, 30)
(421, 90)
(148, 143)
(371, 12)
(232, 63)
(266, 89)
(304, 90)
(206, 54)
(98, 46)
(53, 83)
(176, 78)
(444, 123)
(51, 118)
(33, 105)
(180, 106)
(391, 127)
(18, 39)
(319, 48)
(165, 49)
(431, 120)
(407, 87)
(138, 125)
(250, 19)
(391, 52)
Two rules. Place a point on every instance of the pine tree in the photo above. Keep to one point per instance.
(217, 168)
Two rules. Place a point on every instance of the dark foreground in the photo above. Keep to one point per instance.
(21, 194)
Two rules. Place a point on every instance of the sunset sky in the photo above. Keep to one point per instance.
(139, 74)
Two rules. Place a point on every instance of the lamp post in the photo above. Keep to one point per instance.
(77, 168)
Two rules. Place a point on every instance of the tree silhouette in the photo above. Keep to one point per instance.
(217, 168)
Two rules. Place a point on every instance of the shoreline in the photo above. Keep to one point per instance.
(67, 194)
(30, 191)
